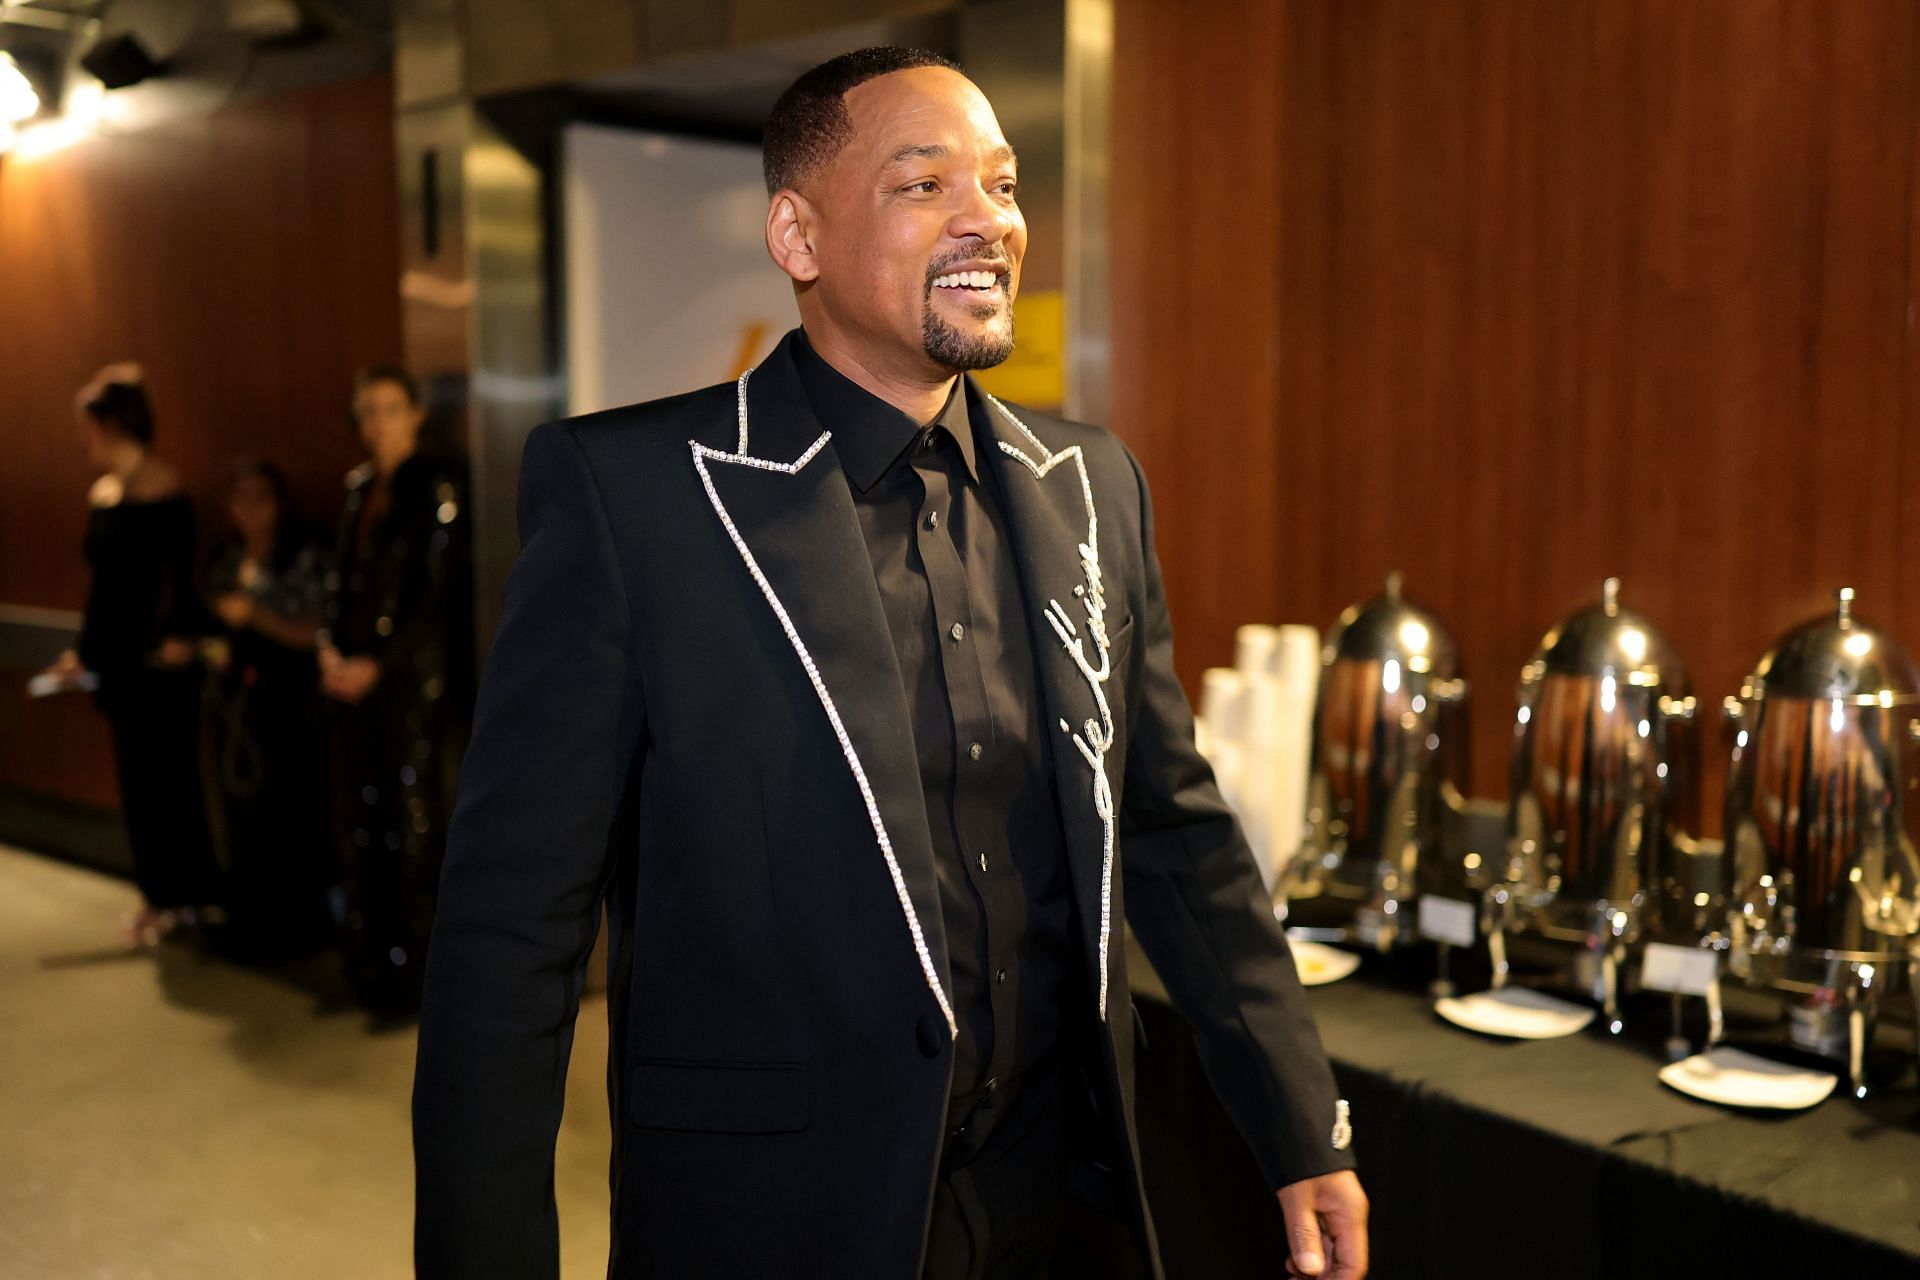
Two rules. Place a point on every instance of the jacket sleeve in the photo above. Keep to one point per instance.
(1195, 901)
(557, 728)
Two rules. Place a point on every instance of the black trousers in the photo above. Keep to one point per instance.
(1025, 1187)
(154, 717)
(1002, 1191)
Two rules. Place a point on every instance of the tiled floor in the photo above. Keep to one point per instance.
(166, 1115)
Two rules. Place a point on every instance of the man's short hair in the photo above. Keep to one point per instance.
(809, 124)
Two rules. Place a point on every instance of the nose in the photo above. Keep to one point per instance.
(980, 216)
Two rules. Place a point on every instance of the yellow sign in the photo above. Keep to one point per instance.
(1036, 373)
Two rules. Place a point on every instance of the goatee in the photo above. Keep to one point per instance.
(950, 348)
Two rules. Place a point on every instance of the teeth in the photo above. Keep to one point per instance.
(967, 280)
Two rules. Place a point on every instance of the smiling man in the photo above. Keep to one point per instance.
(848, 691)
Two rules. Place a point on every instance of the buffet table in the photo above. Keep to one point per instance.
(1562, 1159)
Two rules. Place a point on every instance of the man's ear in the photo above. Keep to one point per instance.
(790, 226)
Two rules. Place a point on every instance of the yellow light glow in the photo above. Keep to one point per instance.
(1859, 644)
(86, 105)
(18, 101)
(45, 139)
(1633, 643)
(1414, 635)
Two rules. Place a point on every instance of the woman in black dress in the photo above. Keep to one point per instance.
(137, 637)
(269, 754)
(396, 661)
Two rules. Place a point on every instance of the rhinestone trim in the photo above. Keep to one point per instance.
(740, 401)
(1096, 736)
(702, 454)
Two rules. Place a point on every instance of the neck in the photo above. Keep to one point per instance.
(124, 458)
(258, 546)
(387, 463)
(918, 393)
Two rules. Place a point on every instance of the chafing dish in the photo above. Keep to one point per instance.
(1602, 798)
(1822, 825)
(1389, 751)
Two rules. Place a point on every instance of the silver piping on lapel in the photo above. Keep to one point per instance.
(701, 454)
(740, 397)
(1096, 736)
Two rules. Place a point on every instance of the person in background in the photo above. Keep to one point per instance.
(396, 662)
(265, 585)
(137, 636)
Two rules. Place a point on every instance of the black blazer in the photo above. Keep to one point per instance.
(693, 713)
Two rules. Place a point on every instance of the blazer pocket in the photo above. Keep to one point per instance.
(720, 1097)
(1118, 640)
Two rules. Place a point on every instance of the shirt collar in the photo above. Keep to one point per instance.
(870, 435)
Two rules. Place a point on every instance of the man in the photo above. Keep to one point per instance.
(849, 690)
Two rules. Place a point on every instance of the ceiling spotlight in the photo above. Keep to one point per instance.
(18, 100)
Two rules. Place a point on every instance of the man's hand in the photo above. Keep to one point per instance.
(1326, 1226)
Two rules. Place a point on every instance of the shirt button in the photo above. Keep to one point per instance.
(1000, 975)
(956, 631)
(983, 862)
(933, 519)
(975, 751)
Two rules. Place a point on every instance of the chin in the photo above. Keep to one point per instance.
(981, 345)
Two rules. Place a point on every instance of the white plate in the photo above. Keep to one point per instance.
(1320, 964)
(1733, 1078)
(1516, 1013)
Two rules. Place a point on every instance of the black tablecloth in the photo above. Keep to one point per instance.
(1562, 1159)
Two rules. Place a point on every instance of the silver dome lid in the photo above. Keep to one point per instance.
(1390, 628)
(1606, 639)
(1835, 657)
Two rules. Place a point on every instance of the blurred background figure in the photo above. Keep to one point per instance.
(396, 662)
(137, 636)
(268, 750)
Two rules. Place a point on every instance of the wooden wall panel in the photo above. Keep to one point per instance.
(1598, 287)
(1195, 311)
(249, 258)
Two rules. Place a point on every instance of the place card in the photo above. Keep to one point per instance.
(1686, 971)
(1449, 920)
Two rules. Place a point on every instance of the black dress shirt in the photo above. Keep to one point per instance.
(936, 531)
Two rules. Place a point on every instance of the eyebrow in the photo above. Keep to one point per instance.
(1003, 154)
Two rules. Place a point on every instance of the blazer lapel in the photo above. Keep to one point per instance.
(1050, 511)
(785, 504)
